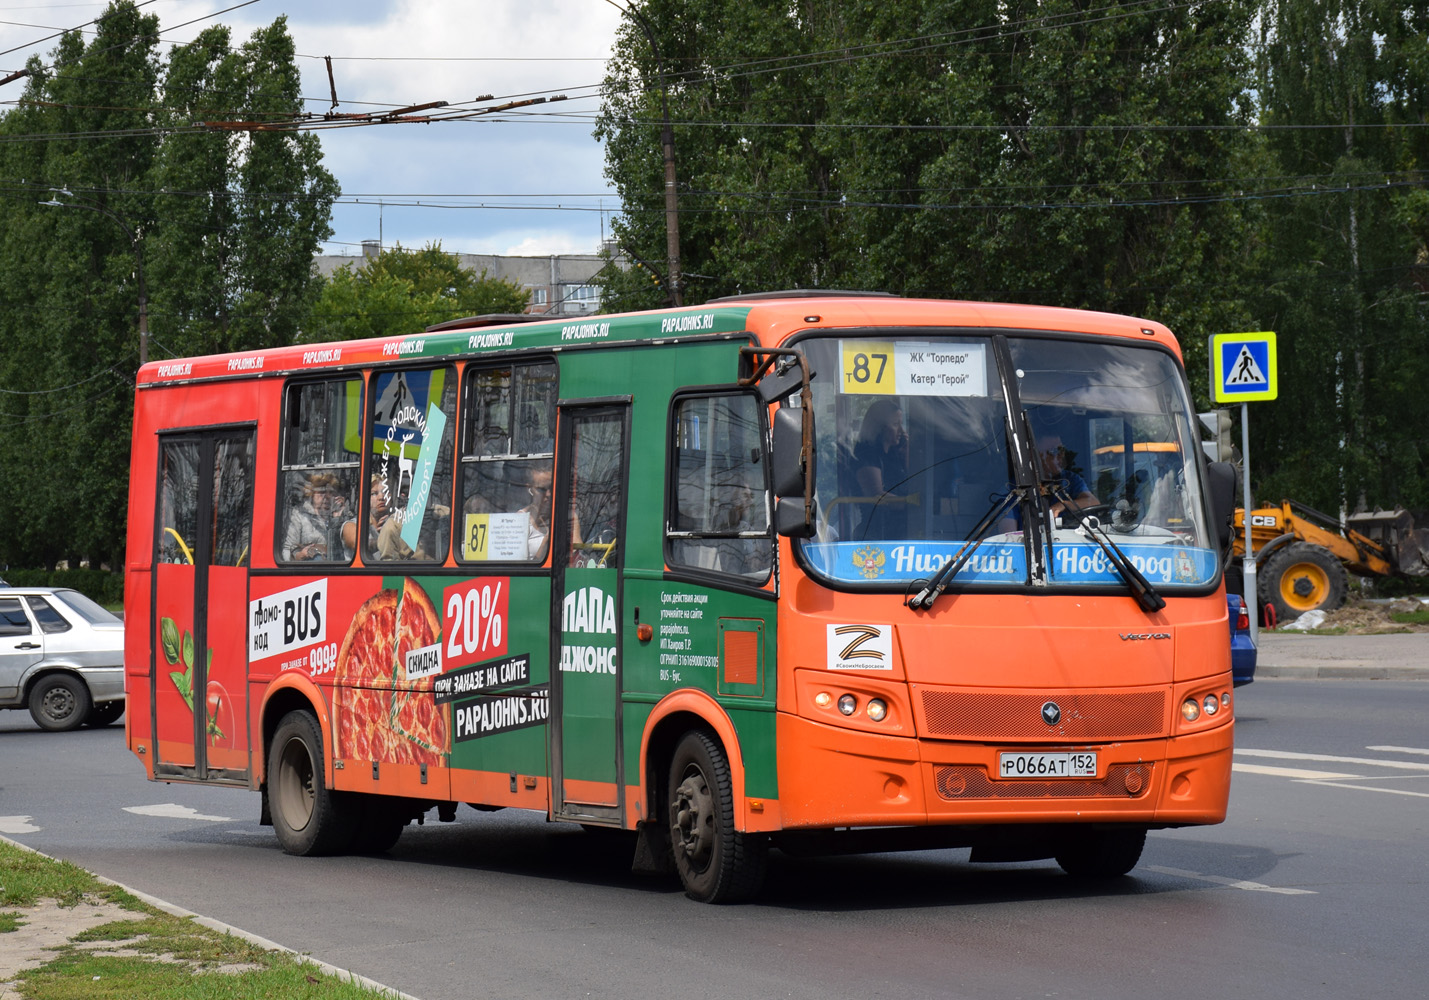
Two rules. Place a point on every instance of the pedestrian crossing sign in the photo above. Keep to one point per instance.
(1243, 367)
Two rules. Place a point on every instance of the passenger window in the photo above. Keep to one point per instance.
(12, 617)
(51, 621)
(506, 463)
(719, 497)
(410, 434)
(178, 503)
(322, 441)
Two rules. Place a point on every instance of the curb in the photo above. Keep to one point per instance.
(1340, 672)
(346, 975)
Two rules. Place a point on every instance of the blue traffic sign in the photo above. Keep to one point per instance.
(1243, 367)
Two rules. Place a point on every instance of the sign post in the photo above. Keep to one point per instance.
(1243, 370)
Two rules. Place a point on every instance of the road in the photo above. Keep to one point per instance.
(1315, 885)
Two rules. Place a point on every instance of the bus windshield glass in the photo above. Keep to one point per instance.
(919, 444)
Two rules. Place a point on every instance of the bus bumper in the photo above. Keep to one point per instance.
(835, 777)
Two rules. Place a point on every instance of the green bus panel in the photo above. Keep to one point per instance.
(690, 621)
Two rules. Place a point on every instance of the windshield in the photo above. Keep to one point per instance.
(914, 451)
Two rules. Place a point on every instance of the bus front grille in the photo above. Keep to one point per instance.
(960, 782)
(1089, 717)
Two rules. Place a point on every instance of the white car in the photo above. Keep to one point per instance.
(61, 656)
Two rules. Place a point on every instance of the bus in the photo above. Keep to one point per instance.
(810, 572)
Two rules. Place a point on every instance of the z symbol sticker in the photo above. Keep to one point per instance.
(860, 647)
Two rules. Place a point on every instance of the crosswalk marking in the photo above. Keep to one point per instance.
(1230, 883)
(1402, 765)
(1371, 788)
(18, 824)
(1290, 772)
(1418, 750)
(172, 810)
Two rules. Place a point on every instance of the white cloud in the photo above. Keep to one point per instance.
(396, 52)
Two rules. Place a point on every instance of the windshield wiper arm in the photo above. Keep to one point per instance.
(1141, 588)
(925, 597)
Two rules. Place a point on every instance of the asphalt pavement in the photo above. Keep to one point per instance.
(1403, 657)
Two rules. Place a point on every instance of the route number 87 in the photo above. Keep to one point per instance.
(862, 367)
(867, 368)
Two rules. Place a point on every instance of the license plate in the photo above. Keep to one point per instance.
(1047, 765)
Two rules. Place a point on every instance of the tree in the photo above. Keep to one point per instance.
(1343, 88)
(1038, 150)
(401, 292)
(226, 229)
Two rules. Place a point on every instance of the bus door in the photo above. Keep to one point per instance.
(199, 656)
(586, 774)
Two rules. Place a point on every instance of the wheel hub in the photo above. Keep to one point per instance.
(59, 703)
(1303, 587)
(693, 810)
(295, 785)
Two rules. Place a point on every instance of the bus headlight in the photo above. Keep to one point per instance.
(877, 709)
(1212, 704)
(1190, 710)
(848, 704)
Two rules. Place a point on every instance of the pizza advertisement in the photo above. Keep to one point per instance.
(400, 665)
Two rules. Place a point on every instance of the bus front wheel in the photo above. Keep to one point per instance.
(716, 862)
(308, 817)
(1101, 853)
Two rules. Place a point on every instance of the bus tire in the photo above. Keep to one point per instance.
(59, 703)
(379, 826)
(1101, 853)
(716, 862)
(308, 817)
(1302, 577)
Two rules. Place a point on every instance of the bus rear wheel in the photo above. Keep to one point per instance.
(716, 862)
(308, 817)
(1101, 853)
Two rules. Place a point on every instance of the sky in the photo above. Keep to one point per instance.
(529, 182)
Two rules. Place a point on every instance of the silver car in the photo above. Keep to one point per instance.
(61, 656)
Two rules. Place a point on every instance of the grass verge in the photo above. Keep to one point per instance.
(144, 952)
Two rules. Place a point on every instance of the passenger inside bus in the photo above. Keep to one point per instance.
(880, 461)
(384, 531)
(314, 530)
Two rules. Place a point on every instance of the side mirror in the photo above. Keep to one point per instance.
(1220, 485)
(793, 471)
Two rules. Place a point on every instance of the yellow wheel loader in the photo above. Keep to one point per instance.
(1302, 556)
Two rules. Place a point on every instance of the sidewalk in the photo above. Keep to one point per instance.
(1365, 657)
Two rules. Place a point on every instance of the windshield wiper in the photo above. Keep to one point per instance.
(930, 592)
(1091, 527)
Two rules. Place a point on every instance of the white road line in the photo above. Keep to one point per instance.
(1371, 788)
(1290, 772)
(18, 824)
(1230, 883)
(172, 810)
(1402, 765)
(1418, 750)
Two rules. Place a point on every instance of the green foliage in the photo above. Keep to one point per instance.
(221, 226)
(1055, 152)
(967, 149)
(1345, 287)
(100, 586)
(399, 292)
(26, 877)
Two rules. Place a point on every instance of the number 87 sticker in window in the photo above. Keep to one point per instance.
(914, 368)
(867, 367)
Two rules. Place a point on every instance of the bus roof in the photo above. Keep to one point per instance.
(769, 317)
